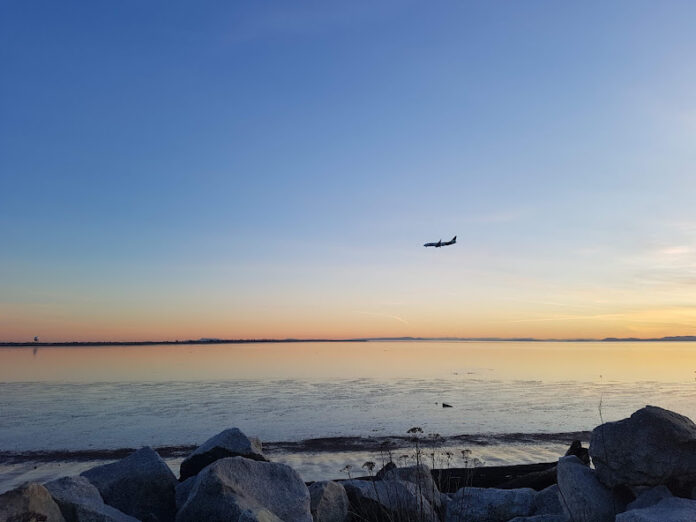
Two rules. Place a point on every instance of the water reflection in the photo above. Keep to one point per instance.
(622, 362)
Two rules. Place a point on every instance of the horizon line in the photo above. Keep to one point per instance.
(206, 340)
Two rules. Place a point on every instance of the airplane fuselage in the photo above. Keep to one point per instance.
(441, 244)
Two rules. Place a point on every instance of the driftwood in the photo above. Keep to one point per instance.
(535, 476)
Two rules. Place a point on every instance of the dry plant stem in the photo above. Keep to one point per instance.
(416, 431)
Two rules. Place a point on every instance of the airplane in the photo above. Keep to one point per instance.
(441, 244)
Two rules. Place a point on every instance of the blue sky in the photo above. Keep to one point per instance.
(267, 169)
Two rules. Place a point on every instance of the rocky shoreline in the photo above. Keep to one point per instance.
(319, 445)
(642, 468)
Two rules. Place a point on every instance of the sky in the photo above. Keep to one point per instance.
(176, 170)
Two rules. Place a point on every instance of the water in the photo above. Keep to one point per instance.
(63, 401)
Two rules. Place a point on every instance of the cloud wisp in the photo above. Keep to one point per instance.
(387, 316)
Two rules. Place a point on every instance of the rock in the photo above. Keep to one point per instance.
(649, 497)
(388, 500)
(422, 478)
(80, 501)
(387, 467)
(582, 453)
(671, 509)
(489, 504)
(74, 490)
(29, 503)
(237, 487)
(328, 502)
(582, 495)
(547, 502)
(654, 446)
(258, 515)
(541, 518)
(229, 443)
(141, 485)
(182, 491)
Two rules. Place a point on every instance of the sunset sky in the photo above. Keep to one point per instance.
(176, 170)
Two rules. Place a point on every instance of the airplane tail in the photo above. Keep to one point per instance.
(454, 239)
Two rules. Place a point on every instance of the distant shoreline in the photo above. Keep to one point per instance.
(189, 341)
(680, 338)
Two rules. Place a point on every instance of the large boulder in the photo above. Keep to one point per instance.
(489, 504)
(422, 478)
(547, 502)
(141, 485)
(229, 443)
(375, 501)
(582, 495)
(541, 518)
(654, 446)
(80, 501)
(257, 515)
(237, 487)
(329, 502)
(385, 469)
(29, 503)
(672, 509)
(650, 497)
(182, 491)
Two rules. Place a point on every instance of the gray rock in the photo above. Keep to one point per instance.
(141, 485)
(651, 447)
(236, 487)
(257, 515)
(29, 503)
(105, 513)
(229, 443)
(182, 491)
(329, 502)
(80, 501)
(541, 518)
(388, 500)
(650, 497)
(422, 478)
(582, 495)
(489, 504)
(672, 509)
(547, 502)
(385, 469)
(74, 490)
(444, 500)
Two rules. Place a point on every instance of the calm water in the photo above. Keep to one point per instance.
(115, 397)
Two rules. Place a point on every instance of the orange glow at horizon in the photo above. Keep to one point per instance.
(349, 323)
(450, 360)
